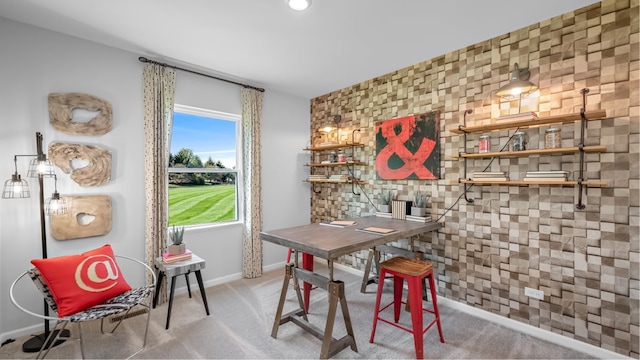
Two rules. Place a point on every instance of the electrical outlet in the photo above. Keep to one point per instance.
(538, 294)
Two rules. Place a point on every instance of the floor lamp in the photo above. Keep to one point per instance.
(17, 188)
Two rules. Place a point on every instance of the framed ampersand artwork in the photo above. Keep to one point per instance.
(409, 147)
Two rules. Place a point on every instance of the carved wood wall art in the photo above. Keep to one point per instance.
(96, 173)
(88, 215)
(61, 106)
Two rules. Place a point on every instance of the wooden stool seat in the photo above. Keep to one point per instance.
(411, 267)
(414, 271)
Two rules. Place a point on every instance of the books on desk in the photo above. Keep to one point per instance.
(418, 218)
(407, 217)
(170, 259)
(376, 230)
(338, 223)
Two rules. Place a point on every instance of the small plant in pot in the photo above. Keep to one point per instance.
(177, 246)
(419, 207)
(386, 199)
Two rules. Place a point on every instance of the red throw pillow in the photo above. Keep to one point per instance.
(78, 282)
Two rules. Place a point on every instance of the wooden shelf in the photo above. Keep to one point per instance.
(333, 181)
(523, 183)
(504, 125)
(336, 164)
(570, 150)
(333, 147)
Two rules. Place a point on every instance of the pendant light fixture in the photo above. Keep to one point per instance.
(16, 187)
(55, 205)
(518, 85)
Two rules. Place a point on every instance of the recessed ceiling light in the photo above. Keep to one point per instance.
(298, 4)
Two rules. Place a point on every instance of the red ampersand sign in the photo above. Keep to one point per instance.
(413, 162)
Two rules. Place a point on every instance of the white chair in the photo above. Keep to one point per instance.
(119, 307)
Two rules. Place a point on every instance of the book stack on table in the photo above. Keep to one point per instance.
(554, 175)
(170, 258)
(490, 176)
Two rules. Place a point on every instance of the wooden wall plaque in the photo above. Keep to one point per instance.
(61, 106)
(96, 173)
(88, 215)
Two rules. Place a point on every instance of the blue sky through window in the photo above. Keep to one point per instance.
(207, 137)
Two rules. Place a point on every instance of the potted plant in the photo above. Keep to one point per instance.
(419, 207)
(386, 199)
(177, 246)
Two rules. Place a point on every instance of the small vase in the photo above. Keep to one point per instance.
(177, 249)
(384, 208)
(417, 211)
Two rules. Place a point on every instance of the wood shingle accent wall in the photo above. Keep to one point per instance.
(586, 261)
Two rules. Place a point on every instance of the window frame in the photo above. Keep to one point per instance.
(239, 174)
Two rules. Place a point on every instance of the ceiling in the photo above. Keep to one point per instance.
(331, 45)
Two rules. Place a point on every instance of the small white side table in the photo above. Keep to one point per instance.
(195, 264)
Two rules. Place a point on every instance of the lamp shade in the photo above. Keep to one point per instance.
(335, 119)
(41, 166)
(15, 188)
(55, 205)
(518, 84)
(327, 129)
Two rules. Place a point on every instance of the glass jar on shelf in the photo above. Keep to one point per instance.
(484, 144)
(552, 138)
(333, 157)
(519, 141)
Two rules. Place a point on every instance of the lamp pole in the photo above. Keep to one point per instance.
(37, 342)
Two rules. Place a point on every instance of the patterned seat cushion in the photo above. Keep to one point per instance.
(118, 304)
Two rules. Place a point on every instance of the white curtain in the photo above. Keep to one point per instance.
(159, 89)
(251, 243)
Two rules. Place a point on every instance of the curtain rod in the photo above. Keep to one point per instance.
(145, 60)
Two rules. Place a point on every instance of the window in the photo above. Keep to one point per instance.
(205, 167)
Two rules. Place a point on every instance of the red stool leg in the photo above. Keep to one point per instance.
(376, 310)
(415, 298)
(289, 255)
(398, 283)
(432, 287)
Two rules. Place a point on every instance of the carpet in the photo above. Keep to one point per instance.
(242, 314)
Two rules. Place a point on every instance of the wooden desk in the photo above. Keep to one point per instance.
(330, 243)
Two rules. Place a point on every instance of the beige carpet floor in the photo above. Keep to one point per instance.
(242, 314)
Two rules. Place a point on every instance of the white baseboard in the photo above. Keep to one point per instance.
(546, 335)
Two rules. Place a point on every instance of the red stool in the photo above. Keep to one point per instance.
(413, 271)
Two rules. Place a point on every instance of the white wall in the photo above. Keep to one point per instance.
(37, 62)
